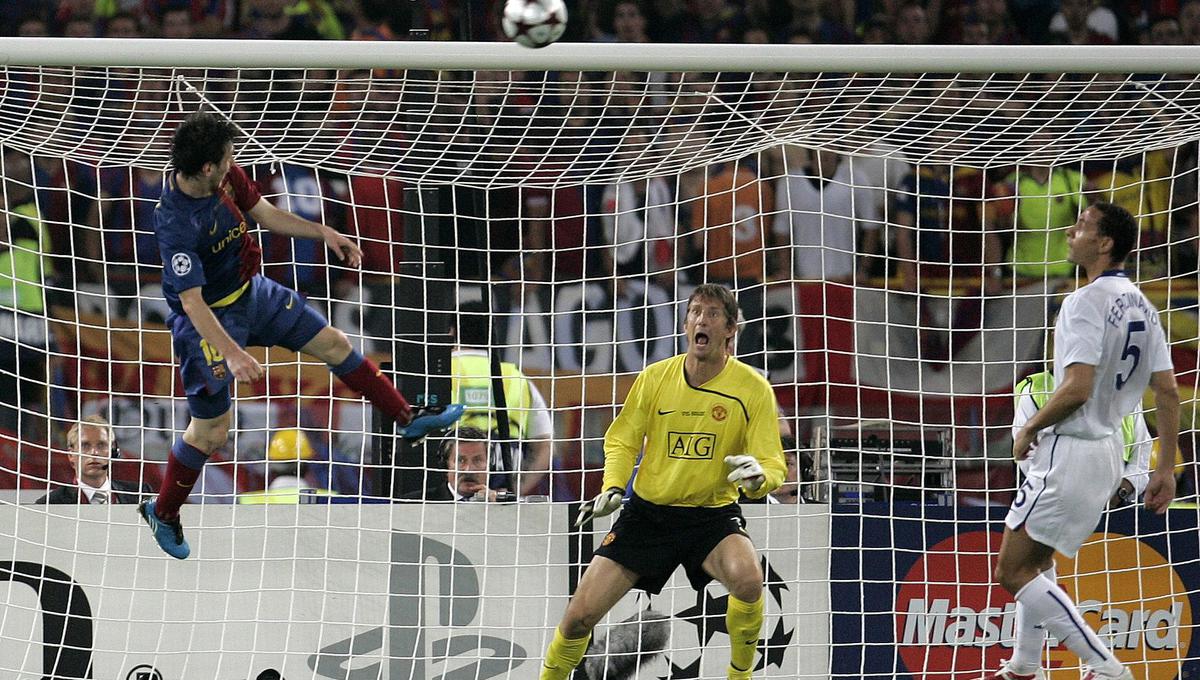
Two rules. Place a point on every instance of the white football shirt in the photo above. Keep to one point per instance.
(1111, 325)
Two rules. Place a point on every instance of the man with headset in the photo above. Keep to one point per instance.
(91, 448)
(465, 460)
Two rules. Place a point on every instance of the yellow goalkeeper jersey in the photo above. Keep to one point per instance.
(688, 430)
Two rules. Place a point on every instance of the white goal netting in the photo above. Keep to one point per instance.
(896, 241)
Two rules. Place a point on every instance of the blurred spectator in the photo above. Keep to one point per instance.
(942, 202)
(1162, 30)
(1042, 203)
(732, 239)
(913, 26)
(554, 226)
(1189, 21)
(122, 25)
(130, 253)
(24, 271)
(299, 263)
(877, 30)
(90, 448)
(291, 466)
(264, 19)
(825, 27)
(1001, 29)
(32, 27)
(629, 22)
(530, 428)
(175, 23)
(637, 225)
(79, 28)
(1084, 22)
(464, 458)
(1141, 183)
(822, 206)
(711, 21)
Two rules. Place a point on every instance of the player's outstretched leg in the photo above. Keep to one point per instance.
(363, 376)
(168, 534)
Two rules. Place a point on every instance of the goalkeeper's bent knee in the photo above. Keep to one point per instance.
(563, 656)
(744, 622)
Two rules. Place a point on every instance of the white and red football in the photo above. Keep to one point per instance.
(534, 23)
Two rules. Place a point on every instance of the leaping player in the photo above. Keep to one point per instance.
(221, 304)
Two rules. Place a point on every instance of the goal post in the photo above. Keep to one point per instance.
(890, 218)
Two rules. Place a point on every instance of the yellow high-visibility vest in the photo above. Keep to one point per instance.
(471, 385)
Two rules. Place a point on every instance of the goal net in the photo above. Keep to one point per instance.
(892, 223)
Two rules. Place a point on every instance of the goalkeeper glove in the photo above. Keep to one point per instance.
(745, 472)
(605, 503)
(429, 419)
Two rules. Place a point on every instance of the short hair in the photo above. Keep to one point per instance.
(201, 138)
(474, 324)
(93, 420)
(1118, 224)
(466, 433)
(721, 294)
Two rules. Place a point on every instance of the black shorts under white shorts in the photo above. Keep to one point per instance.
(652, 540)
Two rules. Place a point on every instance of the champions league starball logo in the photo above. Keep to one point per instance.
(673, 647)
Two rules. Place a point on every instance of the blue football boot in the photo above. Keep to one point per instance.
(168, 534)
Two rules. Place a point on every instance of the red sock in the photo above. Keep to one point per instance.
(369, 381)
(176, 486)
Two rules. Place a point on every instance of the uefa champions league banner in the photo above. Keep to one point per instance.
(913, 593)
(371, 592)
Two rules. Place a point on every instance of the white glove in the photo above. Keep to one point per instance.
(605, 503)
(745, 472)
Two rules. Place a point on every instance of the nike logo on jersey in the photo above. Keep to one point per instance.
(186, 486)
(213, 231)
(291, 301)
(664, 413)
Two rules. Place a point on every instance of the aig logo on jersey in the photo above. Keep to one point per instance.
(691, 445)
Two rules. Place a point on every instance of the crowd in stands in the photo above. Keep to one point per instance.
(912, 22)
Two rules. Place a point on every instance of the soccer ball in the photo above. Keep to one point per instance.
(534, 23)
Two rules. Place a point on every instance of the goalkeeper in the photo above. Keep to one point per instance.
(221, 304)
(710, 428)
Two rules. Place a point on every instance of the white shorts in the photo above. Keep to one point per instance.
(1068, 483)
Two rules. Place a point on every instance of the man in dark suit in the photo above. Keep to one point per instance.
(465, 458)
(90, 446)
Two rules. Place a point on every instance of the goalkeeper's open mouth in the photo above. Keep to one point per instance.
(700, 339)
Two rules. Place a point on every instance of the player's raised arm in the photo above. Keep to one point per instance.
(289, 224)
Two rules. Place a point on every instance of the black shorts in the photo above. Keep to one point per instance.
(652, 540)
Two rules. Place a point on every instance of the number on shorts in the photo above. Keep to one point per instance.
(211, 355)
(1023, 493)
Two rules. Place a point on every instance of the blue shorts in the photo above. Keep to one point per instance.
(266, 315)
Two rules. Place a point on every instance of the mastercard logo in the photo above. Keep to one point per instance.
(1129, 594)
(952, 621)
